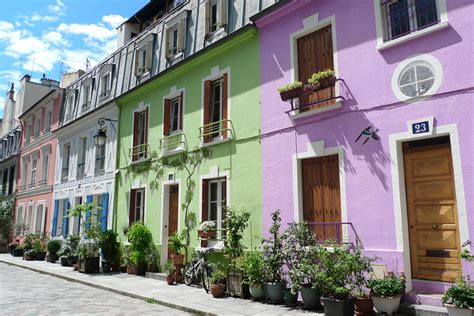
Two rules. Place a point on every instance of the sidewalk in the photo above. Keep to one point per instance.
(182, 297)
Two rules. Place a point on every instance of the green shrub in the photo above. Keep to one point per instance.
(318, 76)
(390, 286)
(54, 246)
(140, 240)
(461, 294)
(290, 86)
(252, 267)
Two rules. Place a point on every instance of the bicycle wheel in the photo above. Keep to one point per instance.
(188, 274)
(206, 274)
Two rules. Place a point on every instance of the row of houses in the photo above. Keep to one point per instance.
(382, 157)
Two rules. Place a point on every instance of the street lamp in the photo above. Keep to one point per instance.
(101, 136)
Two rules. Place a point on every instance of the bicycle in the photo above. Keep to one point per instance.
(198, 270)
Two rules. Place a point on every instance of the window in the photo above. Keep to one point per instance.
(315, 53)
(69, 106)
(37, 126)
(140, 135)
(143, 55)
(44, 169)
(60, 220)
(137, 206)
(214, 201)
(23, 173)
(19, 217)
(39, 227)
(81, 156)
(215, 109)
(28, 133)
(175, 36)
(402, 17)
(30, 219)
(105, 85)
(173, 40)
(77, 220)
(49, 120)
(216, 15)
(86, 96)
(66, 159)
(33, 173)
(417, 77)
(173, 116)
(100, 158)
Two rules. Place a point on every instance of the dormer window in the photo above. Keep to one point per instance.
(175, 36)
(70, 100)
(87, 88)
(216, 15)
(106, 79)
(143, 55)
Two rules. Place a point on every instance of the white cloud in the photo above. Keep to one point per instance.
(54, 38)
(5, 30)
(90, 30)
(43, 18)
(59, 8)
(114, 20)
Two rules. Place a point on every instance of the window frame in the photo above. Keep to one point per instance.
(66, 161)
(175, 103)
(137, 138)
(142, 206)
(82, 156)
(33, 172)
(105, 94)
(221, 202)
(100, 156)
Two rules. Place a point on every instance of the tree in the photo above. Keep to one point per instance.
(6, 218)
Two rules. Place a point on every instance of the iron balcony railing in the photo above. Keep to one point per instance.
(342, 233)
(42, 183)
(173, 142)
(216, 130)
(139, 152)
(406, 16)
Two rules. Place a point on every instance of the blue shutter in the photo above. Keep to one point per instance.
(90, 198)
(55, 218)
(66, 207)
(104, 211)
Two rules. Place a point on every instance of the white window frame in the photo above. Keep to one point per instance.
(45, 154)
(48, 121)
(30, 218)
(436, 67)
(20, 214)
(173, 102)
(142, 203)
(33, 172)
(42, 218)
(82, 156)
(70, 102)
(66, 160)
(37, 124)
(99, 150)
(86, 96)
(220, 211)
(219, 81)
(59, 220)
(24, 171)
(173, 38)
(105, 93)
(380, 28)
(144, 55)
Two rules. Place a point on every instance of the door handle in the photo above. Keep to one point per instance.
(166, 226)
(434, 226)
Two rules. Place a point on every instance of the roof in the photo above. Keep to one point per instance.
(148, 11)
(268, 10)
(37, 102)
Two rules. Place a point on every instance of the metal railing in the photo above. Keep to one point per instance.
(64, 173)
(139, 152)
(407, 16)
(216, 130)
(81, 168)
(173, 142)
(42, 183)
(100, 163)
(342, 233)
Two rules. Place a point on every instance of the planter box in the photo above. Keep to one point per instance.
(234, 284)
(17, 252)
(291, 94)
(206, 235)
(387, 305)
(139, 269)
(327, 82)
(311, 298)
(89, 265)
(456, 311)
(334, 307)
(257, 292)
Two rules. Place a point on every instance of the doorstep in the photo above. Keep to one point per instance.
(422, 309)
(189, 299)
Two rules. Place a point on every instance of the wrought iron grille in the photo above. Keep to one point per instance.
(406, 16)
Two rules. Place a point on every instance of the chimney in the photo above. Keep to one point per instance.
(26, 78)
(11, 93)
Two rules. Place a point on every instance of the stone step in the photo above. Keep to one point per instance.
(422, 310)
(424, 298)
(156, 275)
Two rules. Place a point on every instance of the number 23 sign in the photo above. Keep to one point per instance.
(421, 126)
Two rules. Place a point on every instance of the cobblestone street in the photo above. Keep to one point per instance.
(24, 292)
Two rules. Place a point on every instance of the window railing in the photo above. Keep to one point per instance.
(173, 142)
(342, 233)
(216, 130)
(406, 16)
(100, 163)
(42, 183)
(31, 185)
(81, 169)
(139, 152)
(65, 173)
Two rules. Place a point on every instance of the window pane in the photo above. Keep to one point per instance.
(399, 18)
(213, 211)
(213, 190)
(424, 86)
(423, 72)
(216, 102)
(214, 17)
(408, 77)
(39, 218)
(409, 90)
(426, 13)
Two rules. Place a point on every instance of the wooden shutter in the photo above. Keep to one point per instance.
(205, 200)
(131, 213)
(207, 106)
(104, 211)
(167, 42)
(166, 117)
(135, 135)
(55, 218)
(149, 54)
(137, 62)
(181, 34)
(315, 53)
(181, 113)
(207, 16)
(145, 140)
(66, 206)
(225, 97)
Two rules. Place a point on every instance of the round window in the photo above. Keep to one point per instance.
(417, 77)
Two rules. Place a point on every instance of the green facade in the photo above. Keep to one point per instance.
(239, 158)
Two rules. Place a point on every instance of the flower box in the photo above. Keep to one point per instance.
(327, 82)
(291, 94)
(205, 236)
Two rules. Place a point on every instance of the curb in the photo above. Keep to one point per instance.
(101, 287)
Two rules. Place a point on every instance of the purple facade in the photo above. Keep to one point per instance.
(372, 183)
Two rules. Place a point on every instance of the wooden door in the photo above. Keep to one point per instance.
(432, 213)
(173, 210)
(315, 53)
(321, 195)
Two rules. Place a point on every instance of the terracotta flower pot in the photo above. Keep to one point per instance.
(364, 306)
(177, 259)
(217, 290)
(129, 269)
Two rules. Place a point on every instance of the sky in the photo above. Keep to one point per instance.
(49, 36)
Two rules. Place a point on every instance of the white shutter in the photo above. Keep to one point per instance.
(149, 52)
(167, 42)
(207, 16)
(137, 62)
(181, 34)
(223, 12)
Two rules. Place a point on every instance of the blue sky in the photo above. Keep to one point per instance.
(37, 36)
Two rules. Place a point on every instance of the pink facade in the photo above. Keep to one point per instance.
(35, 178)
(372, 186)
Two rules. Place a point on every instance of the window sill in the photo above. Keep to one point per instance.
(217, 246)
(216, 142)
(216, 35)
(172, 58)
(409, 37)
(295, 115)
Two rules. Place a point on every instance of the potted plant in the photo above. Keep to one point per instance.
(252, 267)
(89, 257)
(16, 249)
(323, 79)
(175, 243)
(40, 247)
(29, 255)
(109, 248)
(363, 304)
(140, 239)
(72, 247)
(153, 258)
(53, 248)
(236, 222)
(386, 293)
(217, 280)
(207, 230)
(169, 270)
(273, 261)
(291, 90)
(459, 298)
